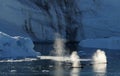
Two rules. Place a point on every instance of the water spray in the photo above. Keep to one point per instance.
(59, 46)
(99, 57)
(75, 59)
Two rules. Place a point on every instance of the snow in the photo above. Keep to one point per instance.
(15, 47)
(106, 43)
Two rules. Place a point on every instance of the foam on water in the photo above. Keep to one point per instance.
(19, 60)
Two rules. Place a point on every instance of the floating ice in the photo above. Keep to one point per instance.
(15, 47)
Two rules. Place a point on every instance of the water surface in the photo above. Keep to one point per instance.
(53, 68)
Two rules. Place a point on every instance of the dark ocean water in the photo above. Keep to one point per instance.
(51, 68)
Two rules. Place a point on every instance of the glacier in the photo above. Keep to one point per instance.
(41, 19)
(112, 43)
(74, 20)
(16, 47)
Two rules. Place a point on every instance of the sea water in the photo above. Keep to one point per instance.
(48, 67)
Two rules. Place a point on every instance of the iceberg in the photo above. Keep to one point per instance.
(16, 47)
(105, 43)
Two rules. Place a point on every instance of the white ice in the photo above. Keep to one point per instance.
(16, 47)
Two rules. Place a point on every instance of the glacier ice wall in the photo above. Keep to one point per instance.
(72, 19)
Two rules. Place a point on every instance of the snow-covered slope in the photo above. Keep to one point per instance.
(73, 19)
(15, 47)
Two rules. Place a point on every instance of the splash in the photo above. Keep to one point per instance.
(75, 59)
(59, 46)
(60, 51)
(99, 57)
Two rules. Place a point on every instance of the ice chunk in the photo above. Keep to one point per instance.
(16, 47)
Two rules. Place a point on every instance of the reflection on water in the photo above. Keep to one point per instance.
(75, 72)
(59, 71)
(100, 69)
